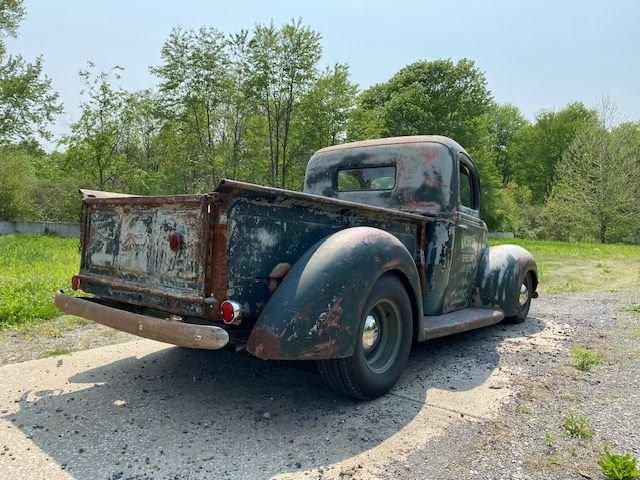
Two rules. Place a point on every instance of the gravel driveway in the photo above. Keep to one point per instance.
(483, 404)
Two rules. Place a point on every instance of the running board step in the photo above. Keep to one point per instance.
(460, 321)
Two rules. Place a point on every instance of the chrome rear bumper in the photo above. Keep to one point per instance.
(208, 337)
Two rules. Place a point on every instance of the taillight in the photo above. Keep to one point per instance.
(230, 312)
(75, 282)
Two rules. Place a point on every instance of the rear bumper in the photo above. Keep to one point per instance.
(208, 337)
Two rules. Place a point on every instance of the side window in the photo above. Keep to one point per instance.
(466, 187)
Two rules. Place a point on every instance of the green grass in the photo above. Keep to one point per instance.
(32, 268)
(618, 467)
(582, 267)
(584, 359)
(577, 427)
(57, 351)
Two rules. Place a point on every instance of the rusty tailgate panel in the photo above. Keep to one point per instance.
(128, 256)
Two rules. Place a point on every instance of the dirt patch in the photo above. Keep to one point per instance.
(528, 439)
(55, 337)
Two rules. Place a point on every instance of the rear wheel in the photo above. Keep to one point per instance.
(525, 293)
(382, 344)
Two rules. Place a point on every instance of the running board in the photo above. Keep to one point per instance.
(460, 321)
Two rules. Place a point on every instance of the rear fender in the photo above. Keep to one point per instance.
(500, 274)
(315, 312)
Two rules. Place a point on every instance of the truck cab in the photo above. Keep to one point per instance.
(385, 246)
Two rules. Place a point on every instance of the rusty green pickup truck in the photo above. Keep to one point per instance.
(385, 246)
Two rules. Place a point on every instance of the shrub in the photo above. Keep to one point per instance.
(618, 467)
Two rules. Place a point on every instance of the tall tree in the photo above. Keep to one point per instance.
(538, 148)
(506, 123)
(27, 103)
(595, 194)
(283, 69)
(96, 141)
(194, 81)
(428, 97)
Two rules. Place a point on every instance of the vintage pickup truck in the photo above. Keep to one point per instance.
(385, 246)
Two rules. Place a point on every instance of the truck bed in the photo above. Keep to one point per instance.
(237, 241)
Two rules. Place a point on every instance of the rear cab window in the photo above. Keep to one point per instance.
(367, 178)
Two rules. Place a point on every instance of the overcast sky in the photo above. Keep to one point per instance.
(535, 54)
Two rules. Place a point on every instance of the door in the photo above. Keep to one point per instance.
(470, 237)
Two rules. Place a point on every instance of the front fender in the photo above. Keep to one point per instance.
(315, 312)
(500, 274)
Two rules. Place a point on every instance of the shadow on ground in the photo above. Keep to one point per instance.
(198, 414)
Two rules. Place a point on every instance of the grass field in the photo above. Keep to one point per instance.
(33, 267)
(583, 267)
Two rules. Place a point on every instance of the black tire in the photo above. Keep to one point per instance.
(523, 307)
(372, 371)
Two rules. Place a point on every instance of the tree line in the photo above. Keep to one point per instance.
(254, 105)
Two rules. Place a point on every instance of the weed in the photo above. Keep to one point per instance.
(577, 427)
(549, 438)
(57, 351)
(618, 467)
(524, 409)
(47, 330)
(528, 394)
(584, 359)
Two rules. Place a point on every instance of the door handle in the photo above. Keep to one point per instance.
(463, 226)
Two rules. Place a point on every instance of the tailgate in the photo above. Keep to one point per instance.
(148, 251)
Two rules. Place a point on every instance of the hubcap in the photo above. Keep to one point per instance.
(524, 295)
(370, 333)
(381, 336)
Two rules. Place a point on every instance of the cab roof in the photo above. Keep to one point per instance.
(452, 144)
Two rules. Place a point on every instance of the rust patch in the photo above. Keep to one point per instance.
(329, 318)
(263, 343)
(277, 274)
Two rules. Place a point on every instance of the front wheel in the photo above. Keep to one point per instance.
(382, 344)
(525, 293)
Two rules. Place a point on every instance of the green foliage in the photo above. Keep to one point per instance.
(284, 67)
(618, 467)
(27, 103)
(32, 268)
(576, 426)
(16, 185)
(584, 360)
(536, 149)
(56, 352)
(595, 195)
(11, 13)
(438, 97)
(254, 106)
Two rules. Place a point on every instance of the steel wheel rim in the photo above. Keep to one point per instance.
(524, 295)
(380, 339)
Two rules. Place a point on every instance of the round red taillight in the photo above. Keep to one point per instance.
(75, 282)
(175, 241)
(230, 311)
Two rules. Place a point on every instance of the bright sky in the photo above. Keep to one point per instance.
(535, 53)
